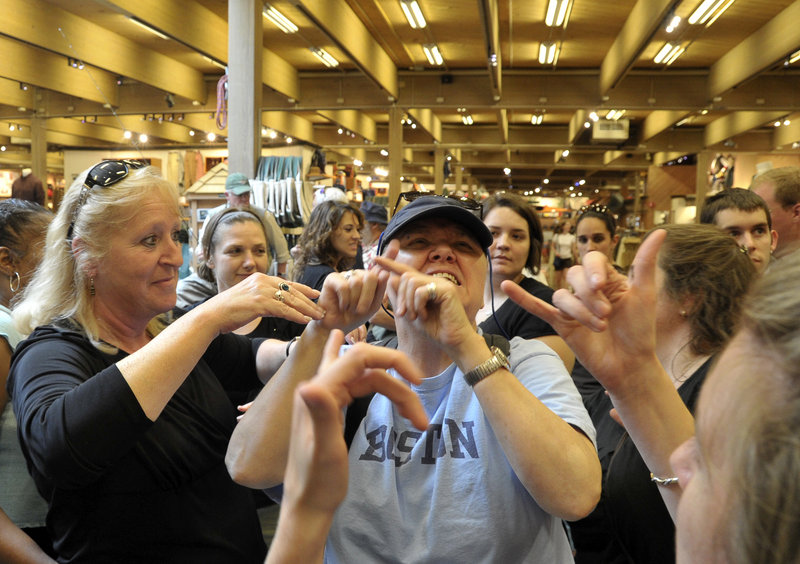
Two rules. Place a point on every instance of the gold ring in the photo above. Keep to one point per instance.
(284, 286)
(279, 296)
(431, 291)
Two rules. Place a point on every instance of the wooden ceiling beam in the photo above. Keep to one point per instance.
(642, 23)
(333, 16)
(769, 45)
(724, 128)
(204, 31)
(44, 24)
(32, 65)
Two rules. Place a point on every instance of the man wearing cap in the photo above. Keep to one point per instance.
(509, 450)
(237, 195)
(375, 218)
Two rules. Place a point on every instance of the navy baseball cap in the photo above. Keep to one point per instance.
(435, 206)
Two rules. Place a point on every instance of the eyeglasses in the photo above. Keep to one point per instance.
(467, 203)
(597, 208)
(103, 175)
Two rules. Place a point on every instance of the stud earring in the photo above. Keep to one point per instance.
(91, 286)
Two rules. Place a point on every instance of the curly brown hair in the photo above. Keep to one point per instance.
(315, 246)
(705, 265)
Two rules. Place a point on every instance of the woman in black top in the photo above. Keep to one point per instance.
(123, 419)
(517, 246)
(329, 243)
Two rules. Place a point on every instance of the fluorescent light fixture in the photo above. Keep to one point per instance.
(152, 30)
(536, 119)
(593, 116)
(213, 62)
(668, 53)
(708, 11)
(673, 24)
(674, 54)
(433, 54)
(548, 52)
(557, 13)
(794, 57)
(615, 114)
(381, 172)
(413, 13)
(466, 119)
(283, 23)
(325, 57)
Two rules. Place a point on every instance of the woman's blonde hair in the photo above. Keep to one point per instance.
(59, 291)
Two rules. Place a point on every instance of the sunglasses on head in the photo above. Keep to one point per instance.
(467, 203)
(103, 175)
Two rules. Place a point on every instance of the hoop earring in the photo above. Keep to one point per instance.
(91, 286)
(14, 282)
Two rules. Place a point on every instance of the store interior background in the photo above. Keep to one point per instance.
(490, 115)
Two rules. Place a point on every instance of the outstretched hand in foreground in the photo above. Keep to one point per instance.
(316, 471)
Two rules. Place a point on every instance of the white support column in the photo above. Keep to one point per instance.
(395, 153)
(245, 38)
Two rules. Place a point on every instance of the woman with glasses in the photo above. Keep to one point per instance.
(508, 451)
(516, 249)
(596, 230)
(330, 242)
(123, 417)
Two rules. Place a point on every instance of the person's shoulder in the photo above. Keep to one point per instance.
(536, 288)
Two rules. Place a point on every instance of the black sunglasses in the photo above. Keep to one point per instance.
(463, 201)
(103, 175)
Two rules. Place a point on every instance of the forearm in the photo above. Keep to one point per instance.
(271, 356)
(18, 548)
(299, 537)
(258, 449)
(556, 463)
(157, 370)
(657, 420)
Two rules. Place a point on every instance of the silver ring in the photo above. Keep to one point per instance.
(279, 296)
(347, 274)
(431, 291)
(284, 286)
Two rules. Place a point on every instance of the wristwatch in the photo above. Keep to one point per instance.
(487, 367)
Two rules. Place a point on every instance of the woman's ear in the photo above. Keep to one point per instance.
(8, 262)
(88, 265)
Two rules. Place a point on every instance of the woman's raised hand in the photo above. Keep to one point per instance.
(260, 295)
(350, 298)
(608, 320)
(316, 471)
